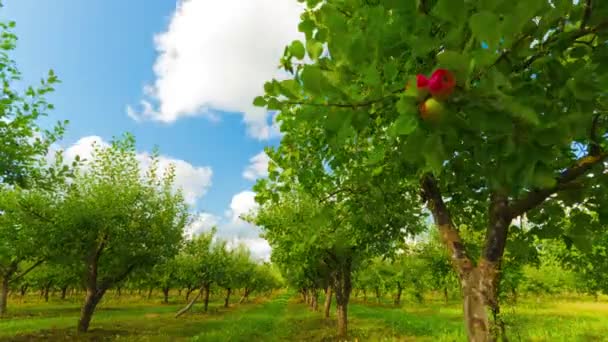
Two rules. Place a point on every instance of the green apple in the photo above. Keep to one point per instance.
(431, 110)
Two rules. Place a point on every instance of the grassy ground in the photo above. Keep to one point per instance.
(283, 318)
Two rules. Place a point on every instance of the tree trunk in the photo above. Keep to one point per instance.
(398, 296)
(207, 290)
(377, 290)
(150, 293)
(118, 292)
(445, 294)
(327, 305)
(364, 296)
(227, 299)
(342, 288)
(314, 305)
(165, 295)
(64, 290)
(514, 294)
(4, 294)
(46, 291)
(479, 283)
(86, 313)
(24, 290)
(188, 292)
(245, 296)
(189, 306)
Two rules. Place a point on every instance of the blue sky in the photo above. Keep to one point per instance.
(105, 52)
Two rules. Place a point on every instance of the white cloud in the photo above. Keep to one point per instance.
(216, 55)
(259, 248)
(202, 222)
(258, 167)
(193, 180)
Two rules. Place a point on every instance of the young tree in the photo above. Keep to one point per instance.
(23, 148)
(205, 259)
(114, 220)
(513, 115)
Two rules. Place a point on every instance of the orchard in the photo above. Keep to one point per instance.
(440, 175)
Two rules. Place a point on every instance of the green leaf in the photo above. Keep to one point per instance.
(334, 121)
(485, 27)
(311, 78)
(453, 11)
(306, 26)
(297, 49)
(434, 153)
(579, 89)
(456, 62)
(259, 101)
(582, 243)
(314, 48)
(543, 177)
(407, 122)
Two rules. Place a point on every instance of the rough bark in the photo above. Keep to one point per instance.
(86, 313)
(3, 294)
(64, 291)
(207, 290)
(342, 288)
(314, 305)
(227, 299)
(478, 283)
(327, 304)
(189, 306)
(165, 295)
(150, 293)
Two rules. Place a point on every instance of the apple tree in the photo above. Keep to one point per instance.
(511, 115)
(114, 220)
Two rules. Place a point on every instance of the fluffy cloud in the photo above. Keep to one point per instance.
(216, 55)
(193, 180)
(258, 167)
(232, 228)
(201, 223)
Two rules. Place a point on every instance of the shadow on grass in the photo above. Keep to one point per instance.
(69, 335)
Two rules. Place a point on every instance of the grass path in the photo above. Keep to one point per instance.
(283, 318)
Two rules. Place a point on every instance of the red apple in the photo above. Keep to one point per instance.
(441, 84)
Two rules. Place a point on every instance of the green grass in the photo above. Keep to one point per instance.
(284, 318)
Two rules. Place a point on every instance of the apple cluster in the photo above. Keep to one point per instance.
(431, 92)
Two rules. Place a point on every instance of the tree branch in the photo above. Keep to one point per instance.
(496, 235)
(28, 270)
(346, 105)
(536, 197)
(449, 234)
(581, 32)
(586, 13)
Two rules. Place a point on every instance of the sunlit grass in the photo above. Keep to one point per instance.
(284, 318)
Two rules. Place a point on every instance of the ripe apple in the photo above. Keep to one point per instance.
(431, 110)
(421, 90)
(441, 84)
